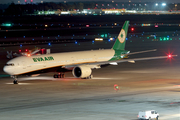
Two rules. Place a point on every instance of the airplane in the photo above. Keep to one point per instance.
(80, 63)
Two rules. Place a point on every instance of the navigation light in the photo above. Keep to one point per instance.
(169, 56)
(132, 29)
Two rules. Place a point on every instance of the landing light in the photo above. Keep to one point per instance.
(163, 4)
(111, 39)
(28, 55)
(98, 39)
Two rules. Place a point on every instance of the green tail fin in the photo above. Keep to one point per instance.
(121, 39)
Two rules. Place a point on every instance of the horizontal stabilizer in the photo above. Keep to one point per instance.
(141, 52)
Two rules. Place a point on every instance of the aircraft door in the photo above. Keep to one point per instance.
(95, 57)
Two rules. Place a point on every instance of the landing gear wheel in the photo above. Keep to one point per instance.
(15, 82)
(157, 118)
(90, 77)
(55, 76)
(59, 76)
(15, 79)
(62, 75)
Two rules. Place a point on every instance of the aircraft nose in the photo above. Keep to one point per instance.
(6, 70)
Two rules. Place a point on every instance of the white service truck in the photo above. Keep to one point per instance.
(148, 115)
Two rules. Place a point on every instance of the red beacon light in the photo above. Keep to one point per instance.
(132, 29)
(169, 56)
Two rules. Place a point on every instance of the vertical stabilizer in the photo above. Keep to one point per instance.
(121, 39)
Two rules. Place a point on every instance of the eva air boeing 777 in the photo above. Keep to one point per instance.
(80, 63)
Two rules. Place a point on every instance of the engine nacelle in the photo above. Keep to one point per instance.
(81, 72)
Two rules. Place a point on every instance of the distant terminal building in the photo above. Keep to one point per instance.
(102, 12)
(113, 11)
(84, 12)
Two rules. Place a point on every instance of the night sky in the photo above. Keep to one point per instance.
(36, 1)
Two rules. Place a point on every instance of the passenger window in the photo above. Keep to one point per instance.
(152, 112)
(155, 112)
(10, 64)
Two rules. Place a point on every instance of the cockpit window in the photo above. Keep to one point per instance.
(10, 64)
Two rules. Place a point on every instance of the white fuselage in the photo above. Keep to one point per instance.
(25, 64)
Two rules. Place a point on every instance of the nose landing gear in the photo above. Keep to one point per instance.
(15, 79)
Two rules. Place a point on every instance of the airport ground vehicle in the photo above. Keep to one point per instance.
(148, 115)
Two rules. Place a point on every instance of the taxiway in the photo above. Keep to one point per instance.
(145, 85)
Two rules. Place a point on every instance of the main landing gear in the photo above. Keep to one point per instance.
(89, 77)
(59, 75)
(15, 79)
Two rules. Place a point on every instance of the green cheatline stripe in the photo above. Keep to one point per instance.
(4, 76)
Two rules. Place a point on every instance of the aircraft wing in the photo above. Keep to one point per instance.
(115, 62)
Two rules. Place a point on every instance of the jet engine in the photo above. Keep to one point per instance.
(81, 72)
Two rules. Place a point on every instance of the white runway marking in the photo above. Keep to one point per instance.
(56, 79)
(143, 71)
(17, 84)
(174, 116)
(100, 78)
(35, 78)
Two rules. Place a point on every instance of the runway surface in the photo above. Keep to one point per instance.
(145, 85)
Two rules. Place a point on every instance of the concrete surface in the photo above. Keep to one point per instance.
(145, 85)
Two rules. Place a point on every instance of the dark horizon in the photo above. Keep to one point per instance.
(38, 1)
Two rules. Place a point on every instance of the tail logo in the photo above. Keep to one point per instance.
(122, 36)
